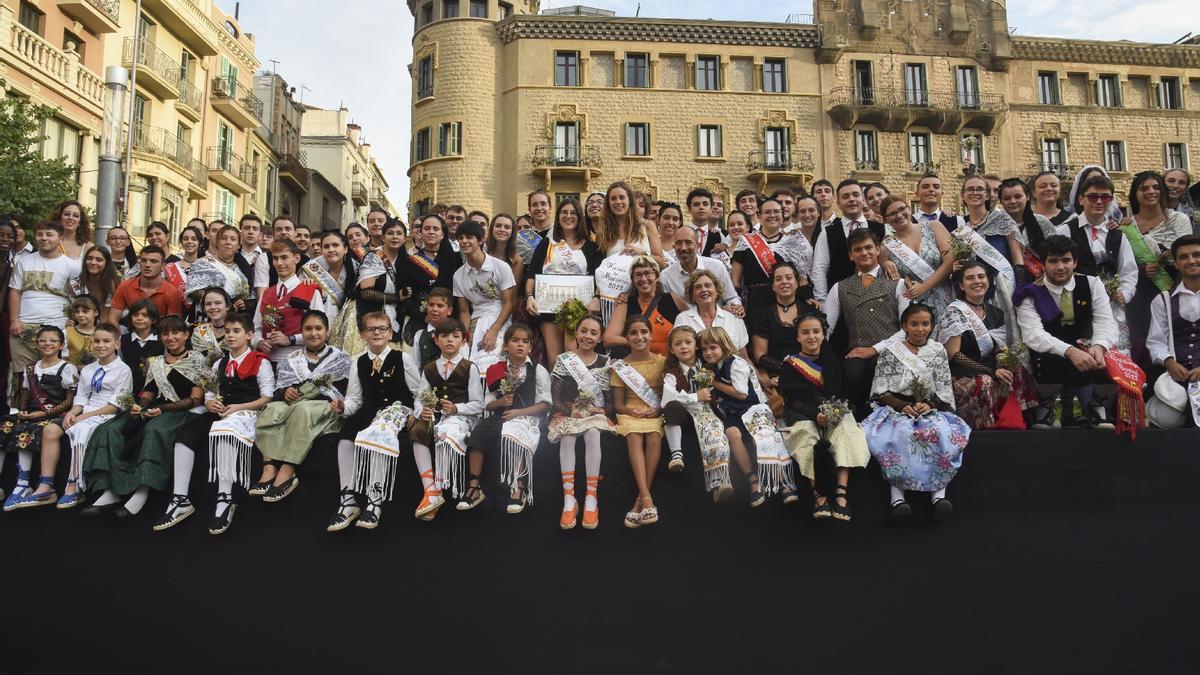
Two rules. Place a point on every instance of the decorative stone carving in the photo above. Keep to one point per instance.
(644, 185)
(566, 112)
(422, 186)
(628, 29)
(777, 119)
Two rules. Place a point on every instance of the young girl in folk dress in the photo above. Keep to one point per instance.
(741, 405)
(46, 392)
(687, 395)
(809, 378)
(913, 433)
(85, 311)
(637, 398)
(209, 338)
(580, 392)
(518, 394)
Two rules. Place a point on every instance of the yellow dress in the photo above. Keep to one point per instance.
(652, 369)
(79, 347)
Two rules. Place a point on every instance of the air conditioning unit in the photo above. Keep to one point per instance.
(220, 87)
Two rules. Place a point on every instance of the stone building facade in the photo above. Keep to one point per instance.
(506, 100)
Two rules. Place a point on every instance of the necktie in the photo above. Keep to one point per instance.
(230, 369)
(376, 364)
(854, 225)
(1067, 305)
(280, 291)
(867, 280)
(447, 366)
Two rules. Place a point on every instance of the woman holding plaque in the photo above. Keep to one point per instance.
(567, 251)
(660, 308)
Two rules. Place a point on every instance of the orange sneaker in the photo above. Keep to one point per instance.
(591, 506)
(431, 501)
(569, 516)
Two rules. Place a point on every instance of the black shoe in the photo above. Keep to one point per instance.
(178, 511)
(900, 511)
(123, 513)
(1097, 418)
(101, 510)
(841, 513)
(942, 510)
(276, 493)
(260, 489)
(222, 522)
(369, 519)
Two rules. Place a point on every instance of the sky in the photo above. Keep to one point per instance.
(358, 55)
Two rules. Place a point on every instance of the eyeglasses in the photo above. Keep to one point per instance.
(975, 190)
(773, 212)
(377, 329)
(1093, 197)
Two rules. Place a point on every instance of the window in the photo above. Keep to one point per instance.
(183, 148)
(61, 141)
(1053, 155)
(637, 70)
(709, 140)
(566, 144)
(774, 72)
(72, 43)
(966, 78)
(505, 10)
(1048, 88)
(916, 88)
(1108, 91)
(706, 73)
(224, 147)
(31, 17)
(1169, 95)
(866, 157)
(421, 145)
(776, 148)
(185, 66)
(864, 88)
(566, 69)
(1114, 156)
(479, 9)
(426, 14)
(422, 207)
(637, 139)
(425, 78)
(919, 154)
(224, 203)
(449, 9)
(560, 197)
(145, 28)
(1176, 156)
(141, 106)
(450, 139)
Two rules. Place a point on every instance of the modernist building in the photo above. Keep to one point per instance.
(506, 100)
(334, 147)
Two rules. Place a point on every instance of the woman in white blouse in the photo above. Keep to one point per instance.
(704, 291)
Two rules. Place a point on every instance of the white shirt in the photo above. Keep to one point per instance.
(671, 387)
(69, 374)
(1127, 269)
(833, 307)
(922, 217)
(262, 270)
(1104, 326)
(820, 264)
(470, 281)
(45, 285)
(354, 391)
(474, 404)
(732, 325)
(541, 384)
(1158, 342)
(674, 279)
(280, 354)
(117, 381)
(265, 375)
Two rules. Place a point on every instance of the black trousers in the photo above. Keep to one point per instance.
(858, 375)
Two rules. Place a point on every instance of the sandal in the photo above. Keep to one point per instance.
(821, 510)
(649, 514)
(756, 495)
(276, 493)
(789, 496)
(473, 496)
(633, 519)
(31, 499)
(723, 493)
(20, 490)
(431, 501)
(569, 516)
(841, 512)
(517, 504)
(591, 504)
(222, 522)
(178, 510)
(369, 519)
(347, 512)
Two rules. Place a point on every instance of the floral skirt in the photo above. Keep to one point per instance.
(921, 454)
(573, 425)
(21, 435)
(978, 399)
(848, 445)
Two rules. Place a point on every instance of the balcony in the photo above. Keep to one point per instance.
(359, 193)
(923, 168)
(98, 16)
(377, 200)
(293, 169)
(782, 166)
(899, 109)
(190, 101)
(236, 101)
(231, 171)
(566, 161)
(56, 69)
(198, 188)
(189, 22)
(866, 166)
(1060, 170)
(162, 145)
(157, 73)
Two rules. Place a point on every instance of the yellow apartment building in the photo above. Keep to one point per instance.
(507, 99)
(333, 147)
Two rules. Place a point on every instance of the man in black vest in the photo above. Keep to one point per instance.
(1101, 249)
(253, 262)
(380, 377)
(1068, 325)
(1174, 339)
(831, 255)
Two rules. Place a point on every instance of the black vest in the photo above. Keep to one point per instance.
(235, 389)
(1186, 337)
(1081, 328)
(840, 265)
(1087, 261)
(387, 386)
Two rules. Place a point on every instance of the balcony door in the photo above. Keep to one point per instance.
(224, 147)
(566, 144)
(864, 86)
(967, 80)
(776, 148)
(916, 88)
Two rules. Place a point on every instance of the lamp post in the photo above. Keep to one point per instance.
(108, 187)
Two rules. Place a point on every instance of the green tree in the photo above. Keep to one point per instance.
(30, 185)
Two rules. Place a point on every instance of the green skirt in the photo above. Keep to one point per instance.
(125, 454)
(285, 432)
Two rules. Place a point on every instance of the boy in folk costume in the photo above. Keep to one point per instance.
(101, 383)
(47, 391)
(238, 387)
(1174, 340)
(376, 411)
(486, 292)
(281, 308)
(439, 306)
(518, 395)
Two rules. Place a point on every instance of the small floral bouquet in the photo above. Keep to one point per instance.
(508, 386)
(1012, 357)
(1112, 285)
(83, 358)
(271, 317)
(1165, 259)
(834, 410)
(489, 290)
(703, 379)
(126, 402)
(428, 398)
(961, 249)
(209, 385)
(242, 291)
(570, 314)
(920, 390)
(1196, 217)
(586, 403)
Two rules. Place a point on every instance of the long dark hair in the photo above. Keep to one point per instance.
(103, 285)
(1138, 181)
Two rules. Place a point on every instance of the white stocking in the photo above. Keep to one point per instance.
(185, 459)
(109, 497)
(674, 434)
(591, 455)
(345, 456)
(566, 453)
(897, 494)
(940, 494)
(25, 460)
(137, 500)
(224, 487)
(424, 465)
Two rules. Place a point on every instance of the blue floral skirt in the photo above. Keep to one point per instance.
(921, 454)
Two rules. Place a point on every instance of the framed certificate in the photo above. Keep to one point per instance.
(552, 290)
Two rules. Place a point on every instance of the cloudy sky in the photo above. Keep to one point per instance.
(358, 55)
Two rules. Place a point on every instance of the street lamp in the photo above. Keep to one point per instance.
(116, 80)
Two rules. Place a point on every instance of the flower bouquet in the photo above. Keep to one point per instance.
(920, 390)
(428, 398)
(209, 385)
(126, 402)
(961, 249)
(271, 316)
(489, 290)
(570, 314)
(241, 291)
(703, 379)
(834, 410)
(1112, 285)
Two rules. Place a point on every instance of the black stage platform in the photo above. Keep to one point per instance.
(1070, 552)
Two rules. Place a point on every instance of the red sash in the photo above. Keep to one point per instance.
(762, 252)
(429, 268)
(809, 370)
(173, 276)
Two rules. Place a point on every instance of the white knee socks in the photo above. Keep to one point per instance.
(109, 497)
(591, 455)
(897, 494)
(940, 494)
(137, 500)
(674, 434)
(224, 487)
(345, 457)
(184, 460)
(566, 459)
(424, 463)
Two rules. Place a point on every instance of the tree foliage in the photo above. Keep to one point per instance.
(31, 186)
